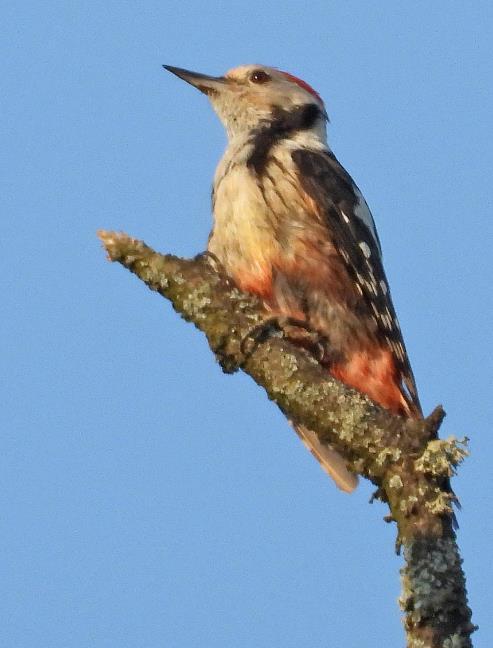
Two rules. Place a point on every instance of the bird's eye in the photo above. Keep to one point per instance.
(259, 76)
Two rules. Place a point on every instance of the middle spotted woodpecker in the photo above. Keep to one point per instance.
(291, 226)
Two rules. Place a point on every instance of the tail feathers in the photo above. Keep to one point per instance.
(411, 406)
(330, 460)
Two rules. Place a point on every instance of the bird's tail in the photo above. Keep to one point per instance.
(330, 460)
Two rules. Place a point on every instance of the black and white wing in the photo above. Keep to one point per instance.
(354, 235)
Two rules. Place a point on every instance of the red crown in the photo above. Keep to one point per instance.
(304, 85)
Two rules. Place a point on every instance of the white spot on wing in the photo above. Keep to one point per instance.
(400, 351)
(383, 286)
(372, 287)
(387, 322)
(365, 248)
(396, 348)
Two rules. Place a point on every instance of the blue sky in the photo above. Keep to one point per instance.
(147, 499)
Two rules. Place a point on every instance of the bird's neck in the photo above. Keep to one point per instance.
(301, 127)
(304, 123)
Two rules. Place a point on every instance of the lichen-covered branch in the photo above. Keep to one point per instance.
(403, 457)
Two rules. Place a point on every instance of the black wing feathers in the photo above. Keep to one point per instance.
(332, 188)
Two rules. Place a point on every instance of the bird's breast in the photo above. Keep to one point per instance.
(243, 234)
(263, 223)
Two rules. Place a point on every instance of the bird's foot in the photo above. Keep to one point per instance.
(212, 260)
(296, 331)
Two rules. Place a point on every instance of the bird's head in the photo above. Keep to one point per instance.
(252, 96)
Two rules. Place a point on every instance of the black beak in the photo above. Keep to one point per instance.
(207, 84)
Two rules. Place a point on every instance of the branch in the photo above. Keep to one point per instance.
(410, 466)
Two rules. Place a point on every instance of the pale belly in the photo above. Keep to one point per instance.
(263, 227)
(243, 237)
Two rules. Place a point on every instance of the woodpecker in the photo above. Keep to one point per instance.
(291, 226)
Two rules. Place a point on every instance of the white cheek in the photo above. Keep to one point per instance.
(365, 248)
(237, 115)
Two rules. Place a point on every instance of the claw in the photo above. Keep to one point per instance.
(297, 331)
(258, 334)
(212, 260)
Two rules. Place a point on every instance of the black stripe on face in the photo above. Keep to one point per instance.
(284, 123)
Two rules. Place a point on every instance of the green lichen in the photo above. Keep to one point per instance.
(388, 455)
(358, 465)
(414, 642)
(408, 504)
(432, 581)
(195, 304)
(290, 365)
(442, 456)
(441, 503)
(395, 482)
(456, 641)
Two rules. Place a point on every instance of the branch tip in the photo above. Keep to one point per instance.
(435, 420)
